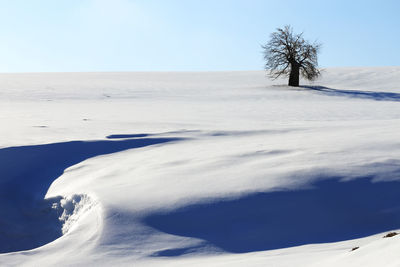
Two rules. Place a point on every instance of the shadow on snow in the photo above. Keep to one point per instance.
(378, 96)
(329, 211)
(26, 173)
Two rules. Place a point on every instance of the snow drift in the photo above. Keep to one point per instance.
(199, 169)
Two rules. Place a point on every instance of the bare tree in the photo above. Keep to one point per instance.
(290, 55)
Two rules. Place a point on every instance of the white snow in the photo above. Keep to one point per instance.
(199, 169)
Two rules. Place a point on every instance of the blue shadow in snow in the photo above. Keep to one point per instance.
(330, 211)
(121, 136)
(378, 96)
(26, 173)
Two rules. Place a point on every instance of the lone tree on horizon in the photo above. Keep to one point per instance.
(290, 55)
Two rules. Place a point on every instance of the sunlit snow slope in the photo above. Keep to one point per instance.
(206, 169)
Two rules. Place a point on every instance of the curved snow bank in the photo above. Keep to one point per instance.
(29, 220)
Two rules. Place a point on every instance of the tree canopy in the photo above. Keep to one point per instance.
(290, 55)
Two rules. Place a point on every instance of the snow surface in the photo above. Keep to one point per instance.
(199, 169)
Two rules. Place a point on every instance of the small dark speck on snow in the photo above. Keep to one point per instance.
(391, 234)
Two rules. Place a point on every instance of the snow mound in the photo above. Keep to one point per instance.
(199, 169)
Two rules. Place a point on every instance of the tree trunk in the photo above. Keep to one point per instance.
(294, 75)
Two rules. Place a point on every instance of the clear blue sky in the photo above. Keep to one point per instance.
(188, 35)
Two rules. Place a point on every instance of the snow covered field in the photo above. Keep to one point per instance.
(199, 169)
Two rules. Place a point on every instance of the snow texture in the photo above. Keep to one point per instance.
(199, 169)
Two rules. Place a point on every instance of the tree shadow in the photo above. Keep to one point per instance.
(329, 211)
(27, 220)
(378, 96)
